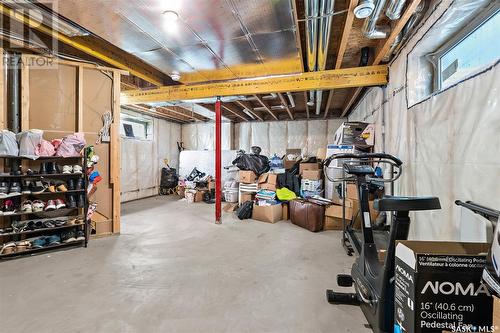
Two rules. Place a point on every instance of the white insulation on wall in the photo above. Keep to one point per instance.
(201, 136)
(142, 160)
(449, 143)
(277, 136)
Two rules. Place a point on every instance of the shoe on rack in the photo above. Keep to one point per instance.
(80, 235)
(8, 248)
(43, 169)
(71, 184)
(19, 226)
(4, 189)
(80, 184)
(81, 201)
(31, 172)
(27, 206)
(15, 188)
(38, 206)
(61, 187)
(30, 225)
(8, 207)
(48, 224)
(53, 240)
(55, 168)
(26, 187)
(77, 169)
(37, 187)
(51, 168)
(39, 242)
(67, 169)
(68, 236)
(51, 205)
(51, 186)
(60, 204)
(71, 201)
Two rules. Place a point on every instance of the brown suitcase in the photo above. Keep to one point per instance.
(308, 215)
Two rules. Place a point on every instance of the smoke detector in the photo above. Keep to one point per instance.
(364, 9)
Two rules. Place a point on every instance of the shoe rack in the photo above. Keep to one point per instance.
(24, 238)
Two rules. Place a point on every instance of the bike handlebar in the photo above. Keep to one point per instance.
(365, 156)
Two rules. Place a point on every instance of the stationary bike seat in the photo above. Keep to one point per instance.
(406, 204)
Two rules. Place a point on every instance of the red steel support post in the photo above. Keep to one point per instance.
(218, 161)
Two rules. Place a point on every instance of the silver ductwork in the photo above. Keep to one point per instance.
(370, 28)
(395, 9)
(411, 25)
(325, 25)
(311, 12)
(290, 98)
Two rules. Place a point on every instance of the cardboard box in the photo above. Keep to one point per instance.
(289, 164)
(247, 197)
(333, 216)
(268, 181)
(247, 176)
(321, 153)
(309, 166)
(285, 211)
(438, 287)
(312, 174)
(355, 133)
(229, 207)
(271, 214)
(268, 186)
(181, 191)
(351, 191)
(198, 197)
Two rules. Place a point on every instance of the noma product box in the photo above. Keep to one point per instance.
(438, 288)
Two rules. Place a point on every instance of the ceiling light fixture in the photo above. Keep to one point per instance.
(364, 9)
(175, 76)
(170, 16)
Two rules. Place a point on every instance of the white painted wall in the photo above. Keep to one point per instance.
(142, 160)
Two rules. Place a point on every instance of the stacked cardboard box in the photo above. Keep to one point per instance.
(268, 181)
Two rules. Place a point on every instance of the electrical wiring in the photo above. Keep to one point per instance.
(107, 119)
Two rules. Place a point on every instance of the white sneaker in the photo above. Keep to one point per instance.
(77, 169)
(67, 169)
(27, 207)
(38, 206)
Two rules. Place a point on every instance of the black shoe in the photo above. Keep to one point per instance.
(80, 184)
(26, 187)
(80, 235)
(55, 168)
(68, 236)
(71, 201)
(43, 169)
(17, 172)
(15, 188)
(81, 201)
(71, 184)
(51, 168)
(4, 189)
(37, 187)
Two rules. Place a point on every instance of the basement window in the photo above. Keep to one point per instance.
(471, 50)
(136, 126)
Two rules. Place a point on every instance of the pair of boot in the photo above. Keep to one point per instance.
(75, 201)
(48, 168)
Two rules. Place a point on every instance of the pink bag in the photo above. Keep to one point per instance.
(71, 145)
(45, 149)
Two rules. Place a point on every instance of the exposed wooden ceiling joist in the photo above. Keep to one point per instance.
(346, 33)
(183, 112)
(305, 104)
(235, 112)
(384, 48)
(328, 103)
(249, 109)
(285, 104)
(321, 80)
(155, 113)
(264, 104)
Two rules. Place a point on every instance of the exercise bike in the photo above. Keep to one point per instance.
(373, 280)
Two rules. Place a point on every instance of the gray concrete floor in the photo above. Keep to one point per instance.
(171, 270)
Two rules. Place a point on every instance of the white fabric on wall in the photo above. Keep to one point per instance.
(201, 136)
(449, 143)
(142, 160)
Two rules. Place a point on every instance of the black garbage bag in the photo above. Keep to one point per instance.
(257, 163)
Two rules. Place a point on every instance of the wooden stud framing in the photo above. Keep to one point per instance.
(346, 33)
(79, 96)
(268, 109)
(25, 94)
(151, 112)
(115, 154)
(285, 104)
(322, 80)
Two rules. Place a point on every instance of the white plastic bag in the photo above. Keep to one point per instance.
(29, 143)
(8, 144)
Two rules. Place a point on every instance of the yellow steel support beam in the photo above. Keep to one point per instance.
(322, 80)
(84, 47)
